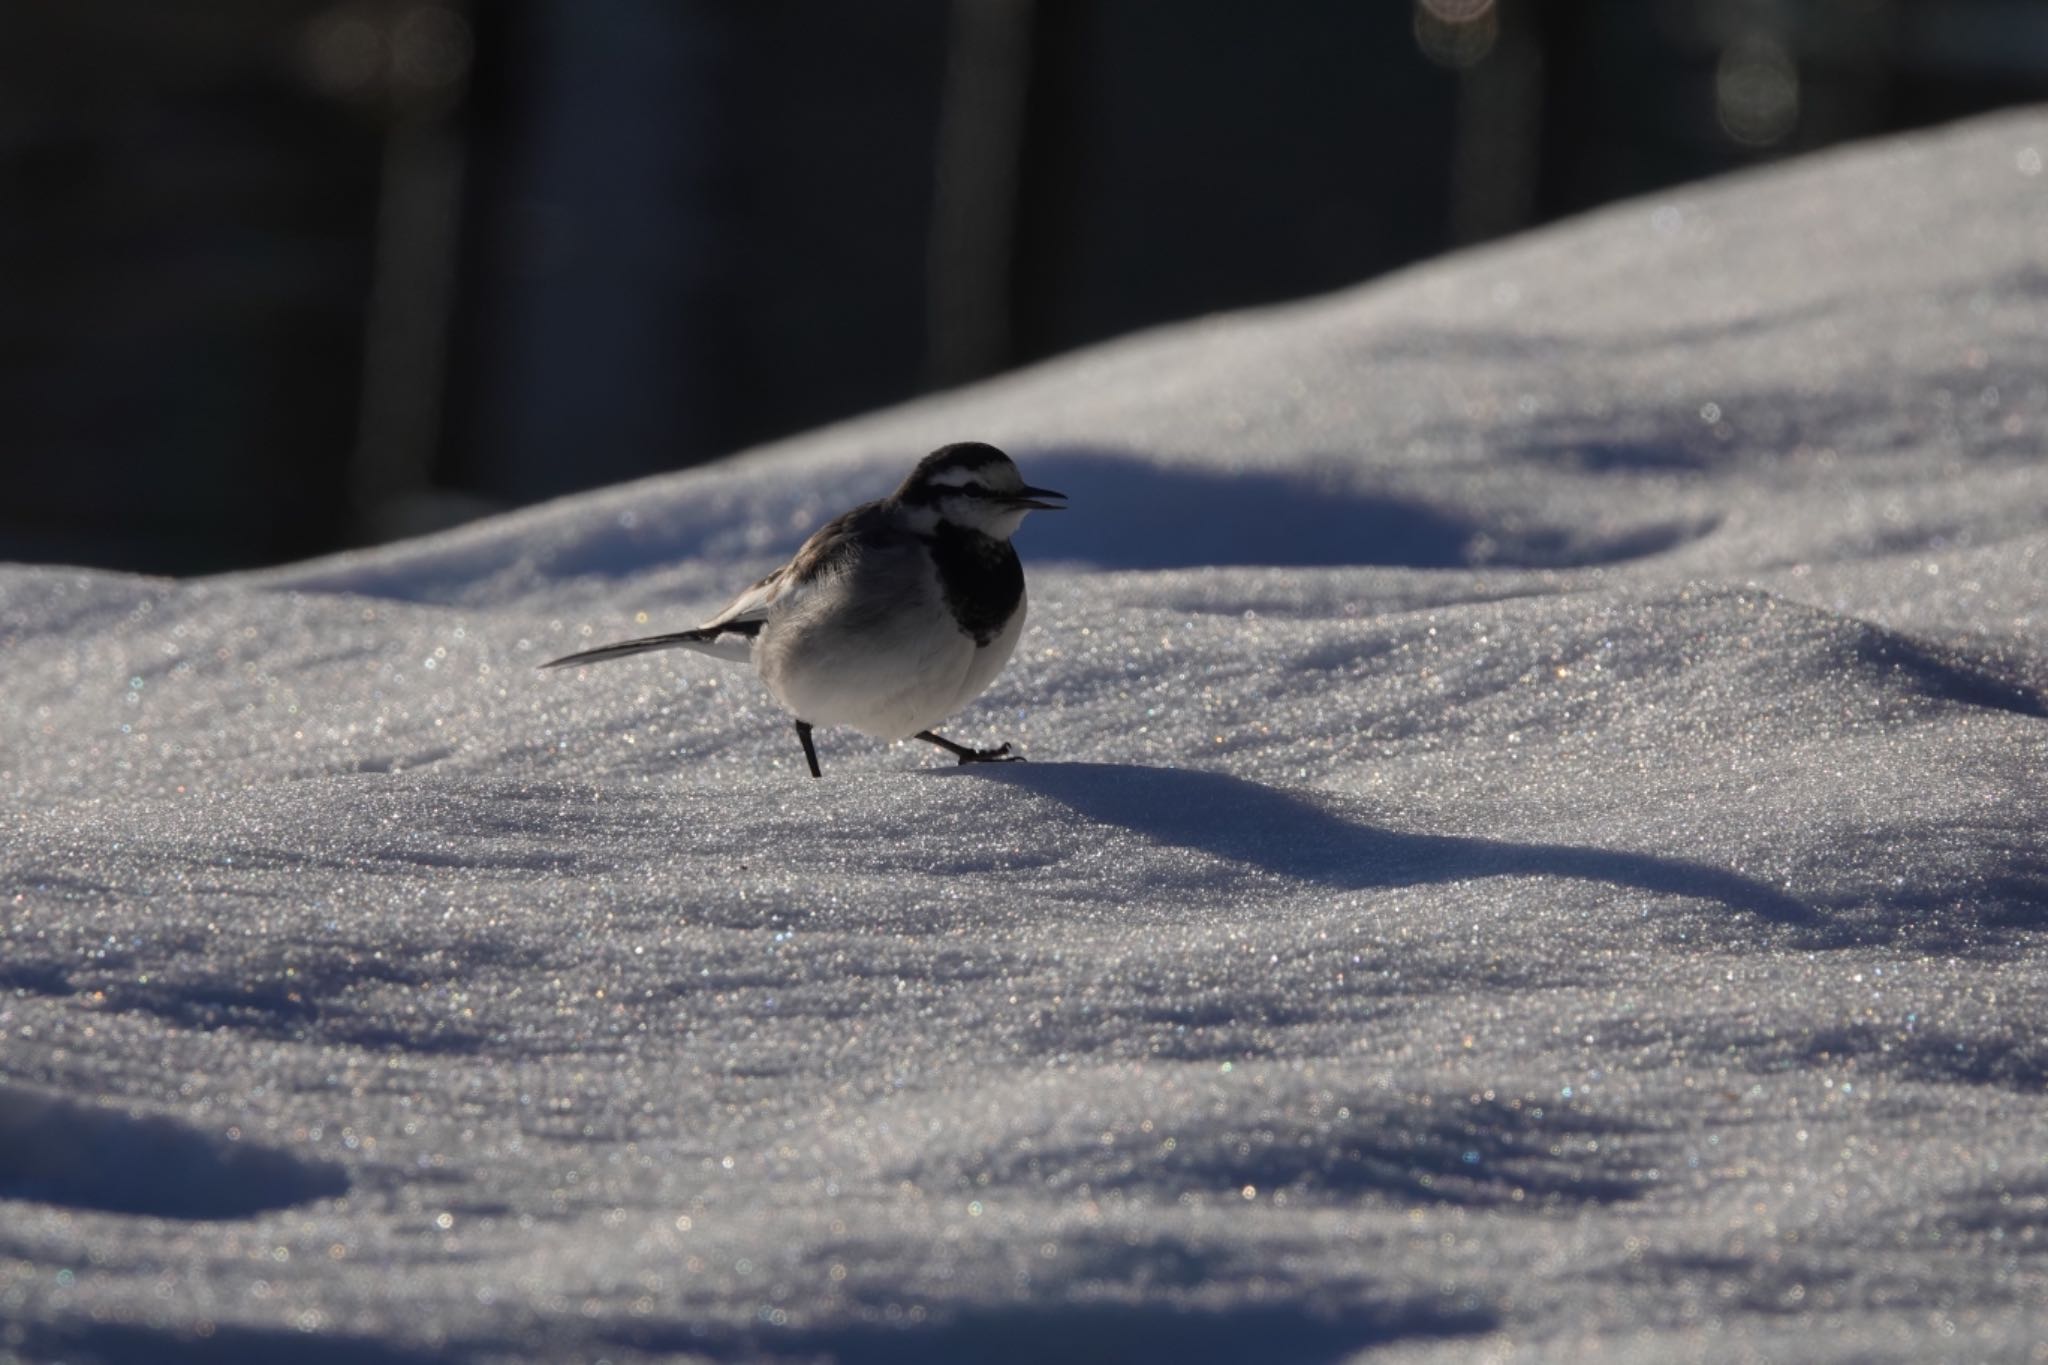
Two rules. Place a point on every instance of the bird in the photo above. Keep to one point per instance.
(892, 616)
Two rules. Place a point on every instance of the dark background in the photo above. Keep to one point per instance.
(282, 276)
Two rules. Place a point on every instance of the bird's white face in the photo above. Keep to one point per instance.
(984, 493)
(983, 499)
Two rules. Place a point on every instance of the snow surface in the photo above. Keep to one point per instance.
(1533, 848)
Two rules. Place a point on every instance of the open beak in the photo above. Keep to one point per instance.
(1034, 498)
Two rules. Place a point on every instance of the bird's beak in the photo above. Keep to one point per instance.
(1034, 498)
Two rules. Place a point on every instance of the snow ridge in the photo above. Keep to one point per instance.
(1531, 846)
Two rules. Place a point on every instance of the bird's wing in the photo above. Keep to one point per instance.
(730, 634)
(752, 606)
(831, 549)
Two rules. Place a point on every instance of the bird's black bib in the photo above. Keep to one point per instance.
(982, 578)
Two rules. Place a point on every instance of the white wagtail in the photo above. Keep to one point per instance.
(891, 617)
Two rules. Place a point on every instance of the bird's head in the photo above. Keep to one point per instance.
(974, 486)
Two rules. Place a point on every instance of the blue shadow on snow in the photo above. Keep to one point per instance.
(1276, 831)
(57, 1150)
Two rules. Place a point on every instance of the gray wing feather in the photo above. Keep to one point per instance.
(731, 632)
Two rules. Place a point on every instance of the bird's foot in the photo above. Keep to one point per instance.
(1000, 754)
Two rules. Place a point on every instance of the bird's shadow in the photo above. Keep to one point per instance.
(1276, 831)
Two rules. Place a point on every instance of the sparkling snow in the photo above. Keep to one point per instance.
(1534, 846)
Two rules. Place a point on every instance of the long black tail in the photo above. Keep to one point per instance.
(708, 638)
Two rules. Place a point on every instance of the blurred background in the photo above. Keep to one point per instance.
(283, 276)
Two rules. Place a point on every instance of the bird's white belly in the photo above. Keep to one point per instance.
(891, 678)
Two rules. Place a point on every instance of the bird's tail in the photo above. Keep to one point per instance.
(732, 641)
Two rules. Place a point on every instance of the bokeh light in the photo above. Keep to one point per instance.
(411, 54)
(1756, 91)
(1457, 33)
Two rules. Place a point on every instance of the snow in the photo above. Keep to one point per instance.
(1532, 847)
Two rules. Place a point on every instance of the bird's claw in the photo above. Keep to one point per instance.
(1000, 754)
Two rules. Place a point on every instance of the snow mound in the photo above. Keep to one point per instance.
(1532, 845)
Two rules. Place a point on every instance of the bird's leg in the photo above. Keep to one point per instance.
(803, 732)
(1000, 754)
